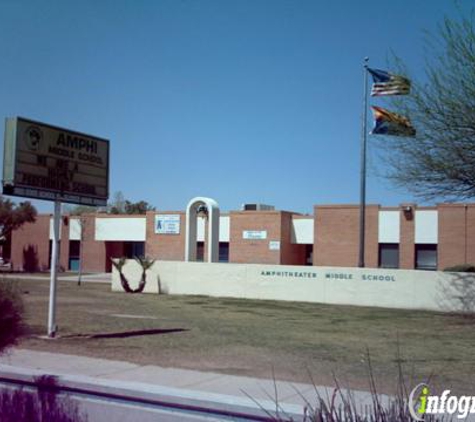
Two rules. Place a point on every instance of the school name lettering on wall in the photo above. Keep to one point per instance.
(329, 275)
(305, 274)
(364, 277)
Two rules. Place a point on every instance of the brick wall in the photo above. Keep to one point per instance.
(93, 252)
(113, 250)
(337, 235)
(30, 245)
(407, 252)
(290, 254)
(254, 251)
(169, 247)
(456, 235)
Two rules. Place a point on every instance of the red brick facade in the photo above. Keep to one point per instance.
(407, 240)
(254, 251)
(336, 235)
(456, 234)
(30, 246)
(335, 238)
(168, 247)
(278, 228)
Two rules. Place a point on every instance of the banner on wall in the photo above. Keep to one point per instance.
(167, 224)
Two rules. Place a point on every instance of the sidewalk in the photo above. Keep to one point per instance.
(92, 278)
(183, 387)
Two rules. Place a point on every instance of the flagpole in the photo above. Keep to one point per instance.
(361, 255)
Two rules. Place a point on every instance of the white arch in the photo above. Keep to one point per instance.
(213, 228)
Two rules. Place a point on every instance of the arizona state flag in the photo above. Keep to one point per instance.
(388, 123)
(385, 83)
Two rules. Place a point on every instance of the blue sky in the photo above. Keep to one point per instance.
(242, 101)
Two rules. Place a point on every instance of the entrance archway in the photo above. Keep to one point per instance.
(210, 208)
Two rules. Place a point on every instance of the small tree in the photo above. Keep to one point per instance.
(439, 162)
(117, 205)
(120, 205)
(13, 216)
(140, 207)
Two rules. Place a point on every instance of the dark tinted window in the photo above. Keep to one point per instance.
(74, 248)
(426, 257)
(223, 252)
(389, 255)
(134, 249)
(200, 252)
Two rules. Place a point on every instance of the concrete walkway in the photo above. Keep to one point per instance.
(193, 388)
(91, 278)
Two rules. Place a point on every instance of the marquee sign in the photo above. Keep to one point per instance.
(46, 162)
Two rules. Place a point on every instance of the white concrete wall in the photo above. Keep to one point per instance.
(51, 223)
(426, 226)
(389, 227)
(121, 229)
(74, 229)
(407, 289)
(302, 231)
(223, 229)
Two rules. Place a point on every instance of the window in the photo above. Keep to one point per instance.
(388, 255)
(134, 249)
(426, 257)
(200, 251)
(223, 252)
(308, 254)
(74, 254)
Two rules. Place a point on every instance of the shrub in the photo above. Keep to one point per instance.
(11, 314)
(41, 405)
(19, 405)
(461, 268)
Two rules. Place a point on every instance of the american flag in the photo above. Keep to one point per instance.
(385, 83)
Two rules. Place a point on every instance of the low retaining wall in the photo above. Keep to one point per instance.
(406, 289)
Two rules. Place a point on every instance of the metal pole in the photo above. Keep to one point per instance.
(361, 262)
(54, 270)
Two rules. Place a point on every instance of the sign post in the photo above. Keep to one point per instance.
(54, 270)
(46, 162)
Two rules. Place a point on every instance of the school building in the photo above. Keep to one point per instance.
(406, 237)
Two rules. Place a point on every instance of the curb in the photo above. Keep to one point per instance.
(157, 396)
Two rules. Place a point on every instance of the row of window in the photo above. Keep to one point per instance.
(223, 251)
(426, 256)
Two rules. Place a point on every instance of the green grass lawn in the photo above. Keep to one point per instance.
(256, 338)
